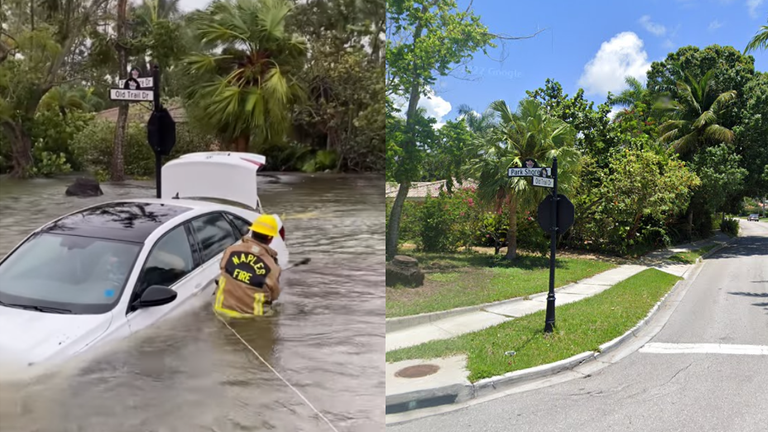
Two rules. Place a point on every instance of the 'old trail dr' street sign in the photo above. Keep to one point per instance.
(131, 95)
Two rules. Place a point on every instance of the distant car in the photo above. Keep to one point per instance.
(753, 217)
(110, 270)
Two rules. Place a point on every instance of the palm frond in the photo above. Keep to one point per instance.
(760, 41)
(719, 133)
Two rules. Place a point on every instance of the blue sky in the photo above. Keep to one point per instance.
(590, 44)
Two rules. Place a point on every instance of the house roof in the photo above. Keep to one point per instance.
(423, 189)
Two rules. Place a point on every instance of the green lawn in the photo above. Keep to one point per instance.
(581, 326)
(691, 256)
(457, 280)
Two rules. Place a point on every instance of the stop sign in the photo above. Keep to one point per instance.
(565, 214)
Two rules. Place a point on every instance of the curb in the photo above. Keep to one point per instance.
(401, 323)
(457, 393)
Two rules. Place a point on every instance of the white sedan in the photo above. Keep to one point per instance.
(110, 270)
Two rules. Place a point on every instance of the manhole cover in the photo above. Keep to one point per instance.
(417, 371)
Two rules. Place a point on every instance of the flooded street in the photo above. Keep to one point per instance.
(191, 373)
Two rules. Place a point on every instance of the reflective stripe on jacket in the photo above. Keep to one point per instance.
(249, 280)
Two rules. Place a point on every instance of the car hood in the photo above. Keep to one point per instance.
(30, 337)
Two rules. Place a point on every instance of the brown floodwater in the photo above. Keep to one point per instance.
(190, 373)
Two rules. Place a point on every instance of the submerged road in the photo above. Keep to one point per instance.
(706, 370)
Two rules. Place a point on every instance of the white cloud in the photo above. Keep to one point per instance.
(668, 44)
(613, 112)
(435, 106)
(655, 28)
(617, 58)
(752, 5)
(714, 25)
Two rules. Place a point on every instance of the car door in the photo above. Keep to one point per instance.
(174, 262)
(213, 234)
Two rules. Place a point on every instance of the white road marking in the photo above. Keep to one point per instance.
(702, 348)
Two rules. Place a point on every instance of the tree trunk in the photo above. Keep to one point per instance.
(241, 143)
(393, 232)
(512, 233)
(21, 149)
(690, 223)
(118, 162)
(393, 235)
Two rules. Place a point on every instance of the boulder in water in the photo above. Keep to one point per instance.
(84, 187)
(404, 271)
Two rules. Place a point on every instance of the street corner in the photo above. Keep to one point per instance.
(423, 383)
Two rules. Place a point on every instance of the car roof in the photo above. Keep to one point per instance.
(127, 220)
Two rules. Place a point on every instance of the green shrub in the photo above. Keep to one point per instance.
(93, 147)
(436, 225)
(47, 164)
(730, 226)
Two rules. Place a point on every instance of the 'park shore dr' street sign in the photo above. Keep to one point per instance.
(131, 95)
(528, 172)
(544, 182)
(145, 83)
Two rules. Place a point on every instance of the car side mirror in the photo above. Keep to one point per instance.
(156, 295)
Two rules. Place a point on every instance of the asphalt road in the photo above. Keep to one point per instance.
(727, 303)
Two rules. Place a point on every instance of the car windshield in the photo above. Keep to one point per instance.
(67, 274)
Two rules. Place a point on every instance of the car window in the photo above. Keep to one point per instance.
(214, 234)
(168, 262)
(243, 226)
(83, 275)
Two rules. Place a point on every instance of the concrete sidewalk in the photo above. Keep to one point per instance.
(424, 383)
(494, 314)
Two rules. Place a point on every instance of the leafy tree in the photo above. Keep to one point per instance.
(528, 133)
(721, 176)
(425, 39)
(695, 115)
(732, 70)
(638, 191)
(752, 135)
(445, 156)
(52, 52)
(250, 87)
(591, 124)
(760, 41)
(338, 117)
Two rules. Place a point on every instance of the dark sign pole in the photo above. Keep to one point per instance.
(550, 319)
(157, 107)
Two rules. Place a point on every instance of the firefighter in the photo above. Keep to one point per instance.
(249, 281)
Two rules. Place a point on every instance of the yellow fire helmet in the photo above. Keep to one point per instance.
(265, 224)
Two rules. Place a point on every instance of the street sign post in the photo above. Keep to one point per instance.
(528, 172)
(565, 213)
(145, 83)
(543, 182)
(131, 95)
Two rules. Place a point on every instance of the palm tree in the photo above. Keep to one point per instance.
(760, 41)
(695, 115)
(528, 133)
(250, 86)
(630, 96)
(480, 124)
(64, 100)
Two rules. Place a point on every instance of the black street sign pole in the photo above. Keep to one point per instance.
(550, 319)
(157, 106)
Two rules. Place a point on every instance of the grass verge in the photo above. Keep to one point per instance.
(581, 326)
(690, 257)
(458, 280)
